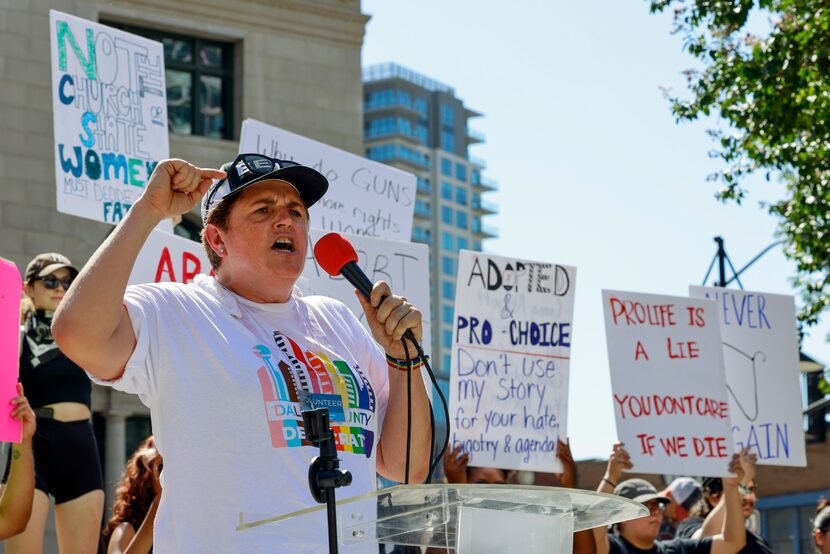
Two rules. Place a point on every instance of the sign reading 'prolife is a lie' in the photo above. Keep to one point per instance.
(110, 111)
(668, 383)
(760, 352)
(510, 361)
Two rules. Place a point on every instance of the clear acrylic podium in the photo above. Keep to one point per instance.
(466, 518)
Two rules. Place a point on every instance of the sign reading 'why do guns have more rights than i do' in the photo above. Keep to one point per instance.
(365, 198)
(760, 352)
(510, 361)
(109, 105)
(668, 383)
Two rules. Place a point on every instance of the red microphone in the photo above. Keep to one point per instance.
(337, 256)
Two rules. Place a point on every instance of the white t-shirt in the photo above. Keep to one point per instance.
(223, 378)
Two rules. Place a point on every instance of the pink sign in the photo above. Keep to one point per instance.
(10, 288)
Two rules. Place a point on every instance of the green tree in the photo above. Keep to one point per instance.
(772, 90)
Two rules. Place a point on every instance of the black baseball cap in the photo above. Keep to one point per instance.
(640, 490)
(249, 169)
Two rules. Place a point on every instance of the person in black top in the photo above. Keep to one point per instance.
(65, 452)
(755, 543)
(712, 490)
(640, 535)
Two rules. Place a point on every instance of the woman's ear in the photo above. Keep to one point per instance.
(28, 290)
(213, 236)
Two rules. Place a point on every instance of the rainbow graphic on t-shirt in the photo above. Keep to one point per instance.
(290, 373)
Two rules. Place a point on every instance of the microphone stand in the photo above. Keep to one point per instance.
(324, 473)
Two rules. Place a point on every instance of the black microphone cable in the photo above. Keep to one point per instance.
(433, 461)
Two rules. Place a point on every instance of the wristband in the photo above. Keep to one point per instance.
(614, 485)
(406, 365)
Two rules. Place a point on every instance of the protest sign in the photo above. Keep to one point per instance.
(510, 360)
(668, 383)
(404, 265)
(11, 287)
(166, 257)
(364, 198)
(110, 112)
(760, 352)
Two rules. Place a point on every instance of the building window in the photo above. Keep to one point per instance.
(461, 219)
(446, 190)
(461, 243)
(447, 265)
(419, 234)
(446, 167)
(477, 245)
(446, 241)
(387, 152)
(447, 314)
(448, 290)
(461, 172)
(461, 195)
(448, 141)
(447, 116)
(446, 215)
(447, 364)
(199, 75)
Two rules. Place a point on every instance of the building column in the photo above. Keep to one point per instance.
(115, 458)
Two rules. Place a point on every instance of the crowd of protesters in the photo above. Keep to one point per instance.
(58, 456)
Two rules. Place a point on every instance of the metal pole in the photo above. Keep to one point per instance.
(721, 262)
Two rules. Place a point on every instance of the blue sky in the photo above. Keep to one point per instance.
(592, 168)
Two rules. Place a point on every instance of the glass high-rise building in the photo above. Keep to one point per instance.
(419, 125)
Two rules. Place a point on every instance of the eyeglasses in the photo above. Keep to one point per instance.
(51, 282)
(245, 169)
(654, 507)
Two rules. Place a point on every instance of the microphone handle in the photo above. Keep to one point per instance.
(354, 275)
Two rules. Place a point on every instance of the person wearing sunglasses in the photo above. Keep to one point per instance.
(67, 465)
(640, 535)
(227, 363)
(755, 543)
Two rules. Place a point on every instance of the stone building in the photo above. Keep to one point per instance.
(291, 63)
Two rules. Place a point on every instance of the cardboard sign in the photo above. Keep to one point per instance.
(510, 360)
(11, 287)
(760, 351)
(404, 265)
(668, 383)
(364, 198)
(166, 257)
(110, 111)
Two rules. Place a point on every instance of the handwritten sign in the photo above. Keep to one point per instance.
(11, 287)
(510, 360)
(110, 112)
(166, 257)
(404, 265)
(668, 383)
(364, 198)
(760, 351)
